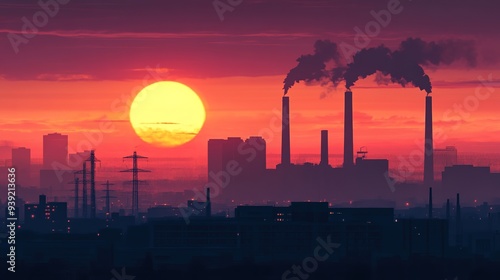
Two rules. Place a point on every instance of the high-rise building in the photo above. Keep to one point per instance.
(21, 160)
(255, 164)
(55, 150)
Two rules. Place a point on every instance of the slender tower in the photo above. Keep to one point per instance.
(92, 160)
(348, 131)
(135, 181)
(84, 191)
(285, 132)
(107, 197)
(428, 146)
(76, 197)
(324, 148)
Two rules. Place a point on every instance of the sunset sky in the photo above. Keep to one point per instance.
(81, 70)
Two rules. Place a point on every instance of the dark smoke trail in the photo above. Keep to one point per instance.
(402, 66)
(312, 67)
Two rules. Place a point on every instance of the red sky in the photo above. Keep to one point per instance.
(89, 60)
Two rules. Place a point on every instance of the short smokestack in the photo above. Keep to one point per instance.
(428, 146)
(324, 147)
(208, 205)
(430, 203)
(285, 132)
(348, 131)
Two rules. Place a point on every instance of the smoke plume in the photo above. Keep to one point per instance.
(312, 67)
(402, 66)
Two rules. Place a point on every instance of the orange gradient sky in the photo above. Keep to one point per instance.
(82, 70)
(387, 119)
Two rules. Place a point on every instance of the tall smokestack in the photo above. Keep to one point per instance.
(324, 147)
(348, 131)
(428, 146)
(285, 132)
(430, 203)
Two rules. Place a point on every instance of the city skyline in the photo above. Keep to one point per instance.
(243, 96)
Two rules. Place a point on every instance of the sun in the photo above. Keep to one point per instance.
(167, 114)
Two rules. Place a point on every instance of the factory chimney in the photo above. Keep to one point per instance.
(208, 205)
(285, 132)
(348, 131)
(428, 146)
(324, 148)
(430, 203)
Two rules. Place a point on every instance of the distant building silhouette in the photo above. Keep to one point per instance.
(473, 182)
(21, 160)
(446, 157)
(249, 155)
(55, 172)
(55, 150)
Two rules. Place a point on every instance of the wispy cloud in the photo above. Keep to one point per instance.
(83, 34)
(64, 77)
(159, 123)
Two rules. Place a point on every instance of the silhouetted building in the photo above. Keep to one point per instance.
(236, 157)
(162, 211)
(55, 180)
(255, 151)
(275, 234)
(46, 216)
(55, 150)
(21, 160)
(444, 158)
(473, 182)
